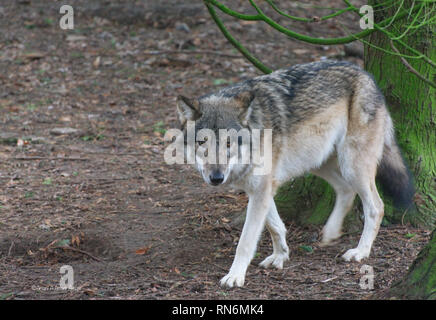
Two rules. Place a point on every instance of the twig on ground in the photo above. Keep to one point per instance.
(77, 250)
(10, 248)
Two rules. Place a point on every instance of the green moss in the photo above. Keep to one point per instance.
(412, 104)
(324, 205)
(420, 282)
(307, 200)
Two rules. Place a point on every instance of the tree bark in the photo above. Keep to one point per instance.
(412, 103)
(420, 281)
(306, 200)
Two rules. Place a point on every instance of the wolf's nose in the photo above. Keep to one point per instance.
(216, 178)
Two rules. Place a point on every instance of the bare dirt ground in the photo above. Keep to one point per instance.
(101, 199)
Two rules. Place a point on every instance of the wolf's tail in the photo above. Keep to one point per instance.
(393, 174)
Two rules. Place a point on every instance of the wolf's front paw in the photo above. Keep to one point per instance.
(355, 254)
(275, 260)
(231, 280)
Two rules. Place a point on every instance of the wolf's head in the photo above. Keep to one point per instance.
(220, 138)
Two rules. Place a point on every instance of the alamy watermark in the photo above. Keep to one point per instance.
(367, 20)
(67, 278)
(66, 281)
(231, 147)
(367, 278)
(67, 20)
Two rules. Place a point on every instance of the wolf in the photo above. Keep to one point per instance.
(327, 118)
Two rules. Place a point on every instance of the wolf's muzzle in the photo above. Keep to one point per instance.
(216, 178)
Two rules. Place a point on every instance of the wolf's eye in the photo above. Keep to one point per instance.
(202, 142)
(228, 143)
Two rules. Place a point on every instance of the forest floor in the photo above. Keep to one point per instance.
(83, 181)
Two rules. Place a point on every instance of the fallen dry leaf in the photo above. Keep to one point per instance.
(96, 62)
(75, 240)
(142, 251)
(34, 55)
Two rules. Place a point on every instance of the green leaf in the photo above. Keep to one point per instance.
(187, 275)
(86, 138)
(218, 82)
(159, 127)
(31, 106)
(48, 21)
(63, 243)
(29, 194)
(6, 295)
(306, 248)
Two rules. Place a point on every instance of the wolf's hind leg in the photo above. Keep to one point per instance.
(360, 173)
(277, 229)
(373, 210)
(344, 200)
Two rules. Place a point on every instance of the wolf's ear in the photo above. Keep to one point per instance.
(244, 100)
(188, 109)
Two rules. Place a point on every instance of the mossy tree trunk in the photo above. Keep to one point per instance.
(420, 281)
(306, 200)
(412, 103)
